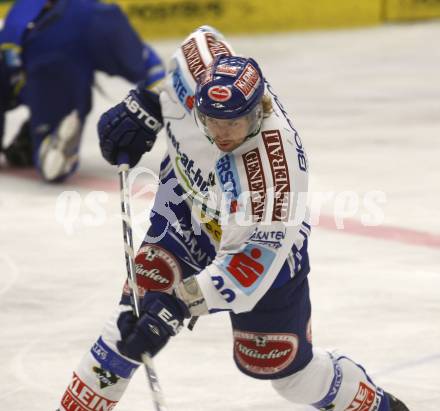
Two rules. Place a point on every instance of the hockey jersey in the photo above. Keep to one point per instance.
(251, 201)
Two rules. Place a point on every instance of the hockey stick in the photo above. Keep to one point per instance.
(192, 322)
(123, 171)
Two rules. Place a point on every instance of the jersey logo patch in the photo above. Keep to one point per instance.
(182, 90)
(248, 268)
(156, 269)
(193, 58)
(106, 378)
(256, 181)
(216, 48)
(79, 396)
(272, 239)
(280, 174)
(228, 175)
(264, 353)
(364, 399)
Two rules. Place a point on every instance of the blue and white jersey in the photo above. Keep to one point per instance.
(251, 202)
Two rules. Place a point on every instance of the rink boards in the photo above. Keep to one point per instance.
(171, 18)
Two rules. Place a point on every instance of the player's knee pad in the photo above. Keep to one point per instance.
(332, 382)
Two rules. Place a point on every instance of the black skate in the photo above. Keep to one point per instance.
(19, 152)
(396, 404)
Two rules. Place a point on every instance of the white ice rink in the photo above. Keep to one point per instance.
(367, 105)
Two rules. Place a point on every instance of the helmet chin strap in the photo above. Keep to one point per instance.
(259, 121)
(253, 134)
(210, 139)
(198, 121)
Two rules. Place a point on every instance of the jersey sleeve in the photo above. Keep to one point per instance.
(114, 46)
(264, 188)
(20, 14)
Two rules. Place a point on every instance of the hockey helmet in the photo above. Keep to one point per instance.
(232, 87)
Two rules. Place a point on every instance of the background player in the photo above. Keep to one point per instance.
(49, 53)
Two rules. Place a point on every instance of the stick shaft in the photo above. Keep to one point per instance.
(147, 360)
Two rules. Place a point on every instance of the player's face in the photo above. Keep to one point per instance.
(228, 134)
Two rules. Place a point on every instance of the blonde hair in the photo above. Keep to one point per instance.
(266, 102)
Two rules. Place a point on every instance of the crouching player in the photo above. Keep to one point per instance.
(50, 51)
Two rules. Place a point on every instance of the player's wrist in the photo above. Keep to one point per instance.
(191, 294)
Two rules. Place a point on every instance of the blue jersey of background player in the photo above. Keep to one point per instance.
(49, 51)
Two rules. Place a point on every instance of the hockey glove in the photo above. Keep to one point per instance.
(162, 316)
(130, 127)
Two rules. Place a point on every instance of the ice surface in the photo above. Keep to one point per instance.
(367, 105)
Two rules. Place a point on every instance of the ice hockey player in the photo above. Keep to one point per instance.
(230, 139)
(49, 52)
